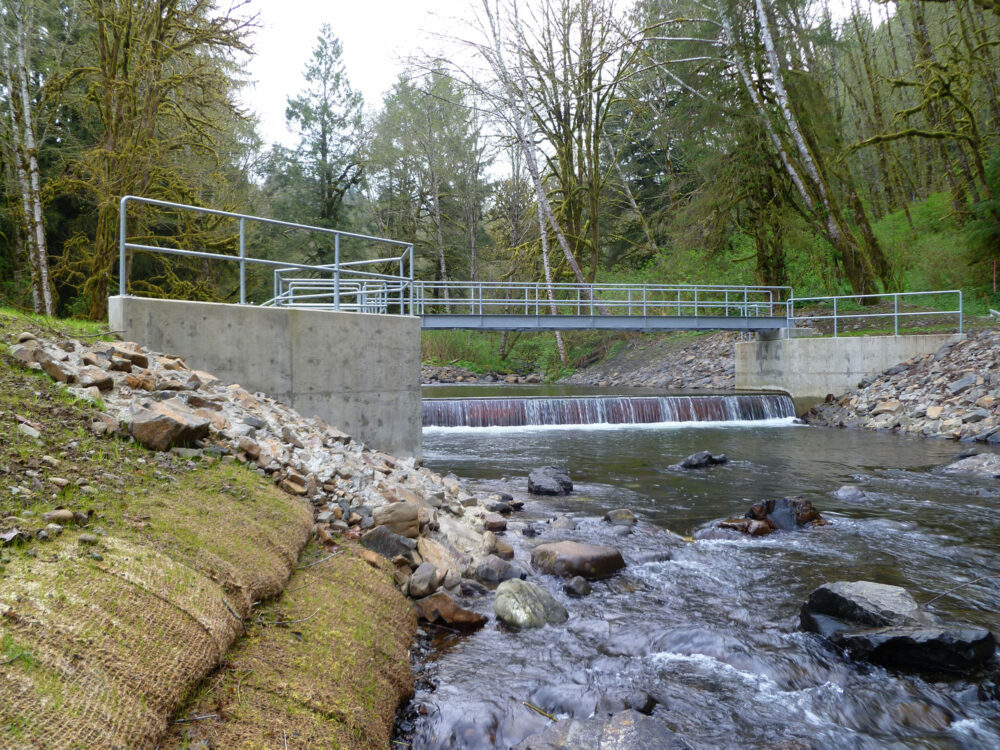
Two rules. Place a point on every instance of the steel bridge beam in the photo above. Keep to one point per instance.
(600, 323)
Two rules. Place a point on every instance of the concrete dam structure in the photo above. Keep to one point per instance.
(358, 372)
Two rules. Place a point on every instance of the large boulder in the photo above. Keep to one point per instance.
(524, 604)
(399, 518)
(628, 730)
(884, 625)
(570, 559)
(862, 603)
(162, 425)
(550, 480)
(700, 460)
(926, 649)
(985, 465)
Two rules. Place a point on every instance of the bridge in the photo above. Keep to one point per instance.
(307, 346)
(386, 285)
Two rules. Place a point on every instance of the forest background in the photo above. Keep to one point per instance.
(663, 141)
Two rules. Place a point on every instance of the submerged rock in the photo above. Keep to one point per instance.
(628, 730)
(550, 480)
(986, 465)
(927, 649)
(850, 493)
(700, 460)
(621, 517)
(524, 604)
(569, 559)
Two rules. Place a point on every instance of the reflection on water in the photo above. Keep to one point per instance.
(711, 633)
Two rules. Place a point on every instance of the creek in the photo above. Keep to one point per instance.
(709, 629)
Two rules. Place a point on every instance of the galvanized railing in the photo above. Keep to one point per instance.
(532, 298)
(347, 282)
(386, 285)
(840, 316)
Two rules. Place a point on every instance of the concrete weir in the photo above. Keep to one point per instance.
(357, 372)
(810, 368)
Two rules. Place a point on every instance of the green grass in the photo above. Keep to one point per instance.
(527, 351)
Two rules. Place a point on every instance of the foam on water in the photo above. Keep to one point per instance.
(733, 424)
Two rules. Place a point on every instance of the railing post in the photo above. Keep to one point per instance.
(696, 302)
(835, 317)
(644, 300)
(243, 261)
(960, 311)
(630, 302)
(895, 315)
(122, 282)
(336, 272)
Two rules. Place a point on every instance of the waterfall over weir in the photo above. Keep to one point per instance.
(520, 412)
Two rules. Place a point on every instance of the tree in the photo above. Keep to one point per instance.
(328, 118)
(160, 86)
(19, 22)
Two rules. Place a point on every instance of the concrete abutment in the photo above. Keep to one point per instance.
(357, 372)
(810, 368)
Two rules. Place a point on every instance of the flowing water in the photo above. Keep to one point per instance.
(709, 629)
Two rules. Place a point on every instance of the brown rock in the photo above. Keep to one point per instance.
(758, 528)
(140, 380)
(437, 555)
(250, 447)
(399, 518)
(120, 364)
(891, 406)
(736, 524)
(292, 487)
(95, 377)
(494, 522)
(57, 370)
(442, 608)
(503, 550)
(935, 412)
(60, 515)
(372, 558)
(128, 350)
(570, 559)
(167, 424)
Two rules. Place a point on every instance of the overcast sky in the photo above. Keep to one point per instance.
(376, 36)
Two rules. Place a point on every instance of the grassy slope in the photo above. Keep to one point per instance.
(105, 641)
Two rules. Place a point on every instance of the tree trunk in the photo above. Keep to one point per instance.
(37, 226)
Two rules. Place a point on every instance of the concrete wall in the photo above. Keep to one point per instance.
(357, 372)
(809, 369)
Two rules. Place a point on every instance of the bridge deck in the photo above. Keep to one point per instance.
(600, 322)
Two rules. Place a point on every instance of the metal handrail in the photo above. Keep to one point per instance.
(838, 316)
(338, 269)
(483, 298)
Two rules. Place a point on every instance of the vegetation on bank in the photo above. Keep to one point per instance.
(930, 246)
(109, 625)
